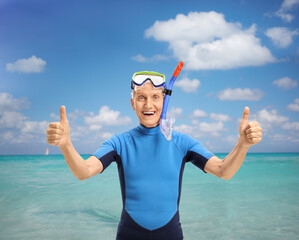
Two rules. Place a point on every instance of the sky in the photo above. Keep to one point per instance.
(82, 54)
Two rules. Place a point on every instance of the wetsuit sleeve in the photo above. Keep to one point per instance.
(107, 153)
(194, 152)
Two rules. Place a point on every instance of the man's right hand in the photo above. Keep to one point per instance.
(58, 133)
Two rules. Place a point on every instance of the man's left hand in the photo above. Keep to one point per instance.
(250, 132)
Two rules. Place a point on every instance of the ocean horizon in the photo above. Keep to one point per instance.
(41, 199)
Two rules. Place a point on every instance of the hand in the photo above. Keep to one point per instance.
(58, 133)
(250, 132)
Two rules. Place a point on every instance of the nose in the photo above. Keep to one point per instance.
(149, 103)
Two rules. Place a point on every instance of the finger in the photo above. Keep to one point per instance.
(245, 114)
(54, 131)
(53, 142)
(63, 114)
(252, 125)
(53, 137)
(254, 129)
(254, 135)
(55, 125)
(255, 140)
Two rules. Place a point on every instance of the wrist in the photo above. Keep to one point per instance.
(66, 145)
(242, 144)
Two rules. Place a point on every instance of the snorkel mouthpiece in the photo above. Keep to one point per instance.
(166, 124)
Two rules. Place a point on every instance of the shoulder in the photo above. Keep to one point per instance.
(121, 139)
(183, 139)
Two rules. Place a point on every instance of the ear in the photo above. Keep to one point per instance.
(132, 104)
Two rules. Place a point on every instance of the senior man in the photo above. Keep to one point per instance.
(150, 167)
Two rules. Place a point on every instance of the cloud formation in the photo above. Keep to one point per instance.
(15, 127)
(205, 40)
(197, 113)
(9, 103)
(175, 112)
(220, 117)
(284, 11)
(188, 85)
(155, 58)
(294, 106)
(107, 117)
(29, 65)
(285, 83)
(201, 129)
(281, 36)
(230, 94)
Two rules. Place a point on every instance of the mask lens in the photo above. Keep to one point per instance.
(156, 80)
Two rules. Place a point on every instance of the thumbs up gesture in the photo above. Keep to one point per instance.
(58, 133)
(250, 132)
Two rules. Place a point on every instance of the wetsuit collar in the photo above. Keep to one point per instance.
(145, 130)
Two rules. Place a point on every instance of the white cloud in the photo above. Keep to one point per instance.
(75, 114)
(107, 117)
(286, 7)
(175, 112)
(205, 40)
(197, 113)
(55, 117)
(188, 85)
(17, 128)
(270, 118)
(211, 128)
(29, 65)
(285, 83)
(200, 129)
(9, 103)
(294, 126)
(282, 138)
(294, 106)
(231, 139)
(155, 58)
(281, 36)
(184, 128)
(230, 94)
(220, 117)
(34, 127)
(12, 119)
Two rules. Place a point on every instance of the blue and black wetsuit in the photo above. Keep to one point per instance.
(150, 172)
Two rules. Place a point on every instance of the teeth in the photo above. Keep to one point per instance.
(148, 113)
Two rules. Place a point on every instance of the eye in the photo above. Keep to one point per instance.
(156, 97)
(140, 98)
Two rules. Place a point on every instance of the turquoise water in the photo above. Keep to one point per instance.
(41, 199)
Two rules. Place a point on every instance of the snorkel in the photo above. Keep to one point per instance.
(166, 124)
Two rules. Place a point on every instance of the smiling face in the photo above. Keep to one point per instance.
(147, 102)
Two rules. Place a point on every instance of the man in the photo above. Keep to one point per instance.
(150, 167)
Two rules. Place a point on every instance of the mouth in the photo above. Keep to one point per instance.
(149, 113)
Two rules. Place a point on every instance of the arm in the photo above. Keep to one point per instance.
(58, 135)
(250, 134)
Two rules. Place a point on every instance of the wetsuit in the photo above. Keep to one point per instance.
(150, 172)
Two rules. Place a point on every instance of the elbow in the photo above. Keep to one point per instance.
(81, 178)
(224, 176)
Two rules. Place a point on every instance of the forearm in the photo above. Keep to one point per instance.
(233, 161)
(74, 161)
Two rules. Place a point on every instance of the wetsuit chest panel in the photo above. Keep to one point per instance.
(151, 169)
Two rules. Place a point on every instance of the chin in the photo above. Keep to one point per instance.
(150, 125)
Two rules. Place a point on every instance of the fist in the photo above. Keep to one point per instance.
(58, 133)
(250, 132)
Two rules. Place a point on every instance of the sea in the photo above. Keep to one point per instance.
(41, 199)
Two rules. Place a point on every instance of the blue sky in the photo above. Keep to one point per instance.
(82, 54)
